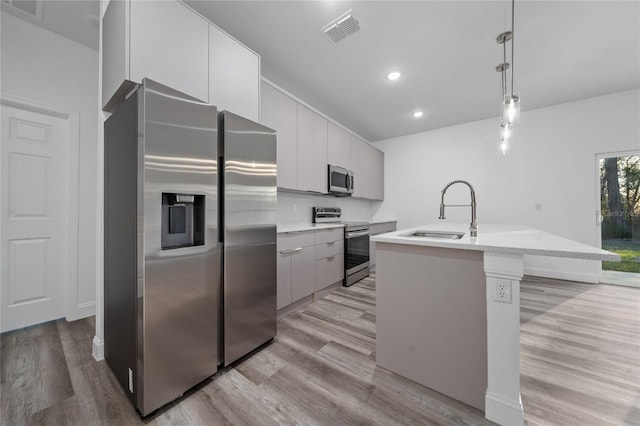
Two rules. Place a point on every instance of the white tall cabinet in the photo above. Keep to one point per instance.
(234, 75)
(164, 41)
(168, 42)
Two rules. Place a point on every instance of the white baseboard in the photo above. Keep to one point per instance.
(98, 348)
(502, 410)
(562, 275)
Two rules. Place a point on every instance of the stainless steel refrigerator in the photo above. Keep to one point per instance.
(190, 242)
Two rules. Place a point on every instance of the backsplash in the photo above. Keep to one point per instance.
(295, 208)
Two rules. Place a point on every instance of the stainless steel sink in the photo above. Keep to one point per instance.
(435, 234)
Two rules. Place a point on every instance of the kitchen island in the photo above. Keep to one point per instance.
(448, 310)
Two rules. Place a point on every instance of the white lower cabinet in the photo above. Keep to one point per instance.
(329, 270)
(296, 253)
(308, 261)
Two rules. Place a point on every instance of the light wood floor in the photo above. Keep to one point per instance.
(580, 366)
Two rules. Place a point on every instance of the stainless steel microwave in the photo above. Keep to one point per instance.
(340, 181)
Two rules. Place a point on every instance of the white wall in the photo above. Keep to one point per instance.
(551, 163)
(46, 68)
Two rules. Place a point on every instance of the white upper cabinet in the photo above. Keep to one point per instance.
(285, 123)
(360, 165)
(339, 146)
(309, 142)
(320, 170)
(376, 176)
(168, 42)
(267, 104)
(305, 149)
(234, 75)
(164, 41)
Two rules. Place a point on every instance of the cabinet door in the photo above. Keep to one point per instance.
(169, 43)
(267, 105)
(339, 146)
(234, 75)
(286, 125)
(360, 166)
(284, 280)
(372, 254)
(115, 52)
(302, 273)
(305, 149)
(320, 170)
(328, 271)
(377, 173)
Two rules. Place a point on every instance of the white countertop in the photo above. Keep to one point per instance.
(307, 227)
(500, 238)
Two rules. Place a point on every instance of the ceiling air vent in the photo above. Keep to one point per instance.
(30, 7)
(340, 28)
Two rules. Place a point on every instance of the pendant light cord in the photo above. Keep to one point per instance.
(504, 71)
(513, 36)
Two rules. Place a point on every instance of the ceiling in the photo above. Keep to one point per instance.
(69, 18)
(446, 50)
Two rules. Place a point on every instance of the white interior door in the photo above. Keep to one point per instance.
(34, 212)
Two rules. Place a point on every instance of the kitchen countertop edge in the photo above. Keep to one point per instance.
(514, 239)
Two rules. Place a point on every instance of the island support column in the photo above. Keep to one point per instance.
(503, 404)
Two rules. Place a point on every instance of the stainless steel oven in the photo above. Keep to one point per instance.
(356, 250)
(340, 181)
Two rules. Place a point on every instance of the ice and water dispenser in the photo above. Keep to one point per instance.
(182, 220)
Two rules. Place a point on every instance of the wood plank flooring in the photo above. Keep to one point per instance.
(580, 365)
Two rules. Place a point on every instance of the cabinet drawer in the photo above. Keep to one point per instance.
(329, 249)
(328, 271)
(295, 240)
(328, 235)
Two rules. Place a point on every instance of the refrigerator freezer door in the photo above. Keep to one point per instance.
(178, 288)
(250, 208)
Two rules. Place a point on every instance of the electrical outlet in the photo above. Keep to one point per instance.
(502, 291)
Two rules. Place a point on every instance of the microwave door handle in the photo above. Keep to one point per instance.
(347, 180)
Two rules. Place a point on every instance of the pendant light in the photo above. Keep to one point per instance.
(510, 101)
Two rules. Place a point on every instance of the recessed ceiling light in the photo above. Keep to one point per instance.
(418, 114)
(394, 75)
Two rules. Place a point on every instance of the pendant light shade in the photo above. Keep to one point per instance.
(511, 110)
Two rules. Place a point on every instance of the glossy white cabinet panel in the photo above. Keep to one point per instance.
(339, 146)
(169, 43)
(320, 161)
(360, 159)
(284, 280)
(286, 124)
(267, 104)
(328, 271)
(305, 149)
(234, 75)
(302, 273)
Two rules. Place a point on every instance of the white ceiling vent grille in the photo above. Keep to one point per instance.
(30, 7)
(339, 28)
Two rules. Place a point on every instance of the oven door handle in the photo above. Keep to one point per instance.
(356, 234)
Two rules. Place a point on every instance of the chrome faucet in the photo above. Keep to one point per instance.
(474, 226)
